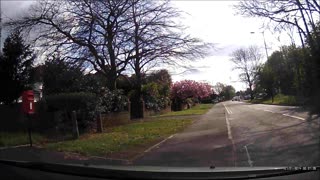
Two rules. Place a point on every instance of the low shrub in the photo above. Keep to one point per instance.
(155, 96)
(85, 104)
(112, 101)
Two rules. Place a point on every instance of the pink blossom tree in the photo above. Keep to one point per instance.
(184, 89)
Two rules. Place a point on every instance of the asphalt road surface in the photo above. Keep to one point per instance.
(240, 134)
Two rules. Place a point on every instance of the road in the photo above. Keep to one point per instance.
(242, 134)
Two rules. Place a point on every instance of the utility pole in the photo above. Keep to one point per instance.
(0, 28)
(264, 41)
(301, 38)
(265, 44)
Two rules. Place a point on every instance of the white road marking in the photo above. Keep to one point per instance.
(11, 147)
(255, 108)
(269, 111)
(248, 156)
(228, 110)
(229, 128)
(296, 117)
(158, 144)
(231, 139)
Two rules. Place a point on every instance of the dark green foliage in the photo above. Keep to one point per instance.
(71, 101)
(156, 91)
(125, 83)
(61, 77)
(15, 67)
(209, 99)
(85, 104)
(93, 83)
(285, 72)
(154, 97)
(313, 66)
(228, 92)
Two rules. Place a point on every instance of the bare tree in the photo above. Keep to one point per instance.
(284, 14)
(247, 60)
(109, 35)
(301, 14)
(158, 39)
(86, 31)
(218, 88)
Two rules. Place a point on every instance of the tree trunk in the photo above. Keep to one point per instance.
(112, 55)
(112, 79)
(75, 129)
(251, 91)
(137, 104)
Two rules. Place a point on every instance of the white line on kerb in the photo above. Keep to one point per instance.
(294, 117)
(248, 156)
(268, 111)
(158, 144)
(11, 147)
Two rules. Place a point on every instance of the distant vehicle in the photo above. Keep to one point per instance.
(260, 95)
(215, 100)
(236, 98)
(247, 97)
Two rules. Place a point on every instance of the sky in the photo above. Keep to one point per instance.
(212, 21)
(217, 22)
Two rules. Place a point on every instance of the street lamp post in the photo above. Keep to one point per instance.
(264, 41)
(0, 27)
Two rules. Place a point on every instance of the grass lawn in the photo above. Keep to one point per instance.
(279, 99)
(122, 138)
(18, 138)
(196, 110)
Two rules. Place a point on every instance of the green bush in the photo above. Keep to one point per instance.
(154, 97)
(285, 99)
(206, 100)
(112, 101)
(279, 99)
(71, 101)
(85, 104)
(190, 102)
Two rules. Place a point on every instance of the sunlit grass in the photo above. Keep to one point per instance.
(18, 138)
(279, 99)
(196, 110)
(122, 137)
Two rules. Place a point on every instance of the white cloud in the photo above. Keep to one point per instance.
(212, 21)
(216, 22)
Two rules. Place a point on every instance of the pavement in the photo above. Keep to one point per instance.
(38, 154)
(204, 143)
(231, 134)
(241, 134)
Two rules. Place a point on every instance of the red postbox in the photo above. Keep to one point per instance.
(28, 102)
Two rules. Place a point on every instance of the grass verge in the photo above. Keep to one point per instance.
(18, 138)
(122, 138)
(196, 110)
(279, 99)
